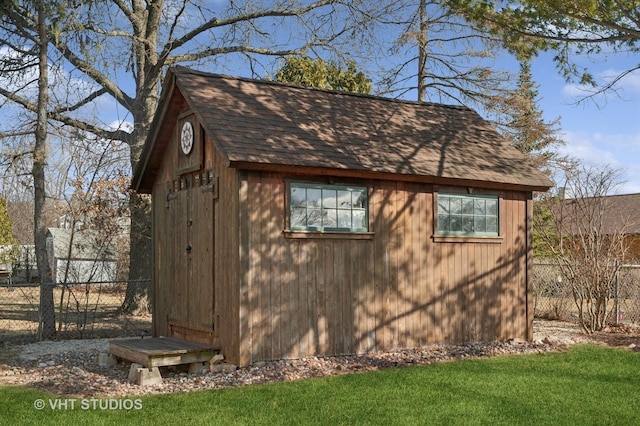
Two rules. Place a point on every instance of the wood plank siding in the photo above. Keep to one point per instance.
(398, 289)
(227, 273)
(221, 154)
(196, 253)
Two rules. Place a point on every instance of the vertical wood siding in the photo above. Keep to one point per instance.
(267, 296)
(196, 291)
(400, 289)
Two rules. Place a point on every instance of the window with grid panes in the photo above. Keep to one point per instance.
(467, 214)
(330, 208)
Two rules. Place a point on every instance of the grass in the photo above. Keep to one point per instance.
(586, 385)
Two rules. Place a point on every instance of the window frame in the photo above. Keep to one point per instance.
(306, 230)
(462, 234)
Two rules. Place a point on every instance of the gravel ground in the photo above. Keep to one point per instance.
(71, 368)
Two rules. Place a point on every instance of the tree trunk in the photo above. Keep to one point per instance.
(422, 52)
(47, 325)
(138, 294)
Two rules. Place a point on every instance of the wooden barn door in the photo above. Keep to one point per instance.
(191, 315)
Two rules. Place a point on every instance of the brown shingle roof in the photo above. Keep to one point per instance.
(620, 213)
(258, 124)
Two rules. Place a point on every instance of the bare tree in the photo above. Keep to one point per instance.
(447, 58)
(579, 238)
(46, 328)
(93, 214)
(116, 51)
(444, 57)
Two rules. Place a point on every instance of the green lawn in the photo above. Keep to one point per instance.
(586, 385)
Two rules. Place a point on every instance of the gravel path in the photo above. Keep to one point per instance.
(71, 368)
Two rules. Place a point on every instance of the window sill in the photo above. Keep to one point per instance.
(329, 235)
(466, 239)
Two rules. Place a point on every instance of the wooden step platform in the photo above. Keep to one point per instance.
(161, 351)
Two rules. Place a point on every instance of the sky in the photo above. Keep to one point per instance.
(603, 131)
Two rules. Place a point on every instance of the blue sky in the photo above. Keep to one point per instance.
(601, 131)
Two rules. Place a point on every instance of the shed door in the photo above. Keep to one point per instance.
(191, 303)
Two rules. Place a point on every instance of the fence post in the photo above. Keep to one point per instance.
(617, 298)
(88, 310)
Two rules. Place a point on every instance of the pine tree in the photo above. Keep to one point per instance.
(6, 235)
(529, 132)
(7, 240)
(325, 75)
(535, 138)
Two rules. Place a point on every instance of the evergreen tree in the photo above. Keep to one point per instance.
(6, 235)
(535, 138)
(572, 29)
(529, 132)
(325, 75)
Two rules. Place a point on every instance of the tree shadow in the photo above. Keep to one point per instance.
(400, 288)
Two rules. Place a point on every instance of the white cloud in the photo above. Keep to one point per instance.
(577, 90)
(127, 126)
(627, 85)
(585, 148)
(629, 82)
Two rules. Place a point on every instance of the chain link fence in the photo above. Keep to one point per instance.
(552, 297)
(94, 310)
(82, 310)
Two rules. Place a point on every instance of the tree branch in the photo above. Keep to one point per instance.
(172, 45)
(69, 121)
(229, 49)
(24, 19)
(82, 103)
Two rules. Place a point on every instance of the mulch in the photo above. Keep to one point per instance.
(619, 336)
(77, 374)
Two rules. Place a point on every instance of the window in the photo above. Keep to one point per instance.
(460, 214)
(314, 207)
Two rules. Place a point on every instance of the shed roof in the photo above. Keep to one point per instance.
(80, 245)
(273, 126)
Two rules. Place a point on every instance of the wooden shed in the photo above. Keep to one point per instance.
(290, 222)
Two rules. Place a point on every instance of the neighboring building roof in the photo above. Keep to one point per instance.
(85, 245)
(620, 212)
(273, 126)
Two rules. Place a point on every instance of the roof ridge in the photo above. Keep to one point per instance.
(186, 70)
(266, 125)
(607, 196)
(623, 195)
